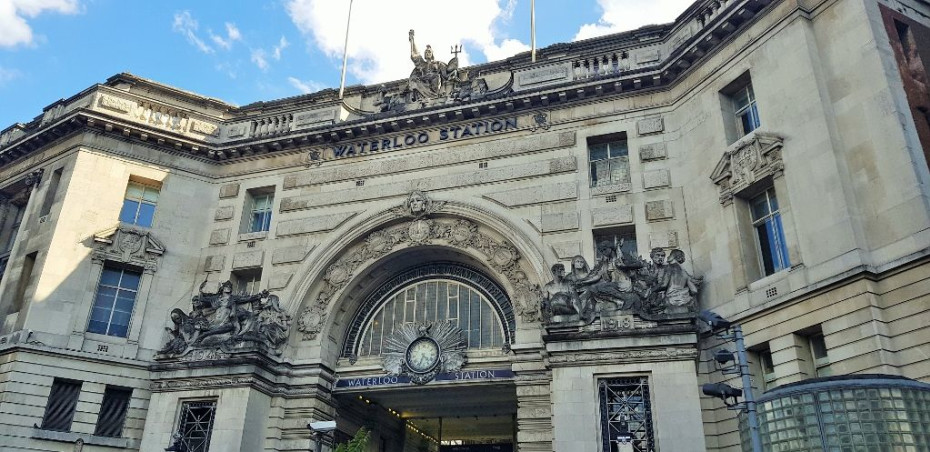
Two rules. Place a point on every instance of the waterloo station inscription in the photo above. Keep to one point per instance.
(414, 139)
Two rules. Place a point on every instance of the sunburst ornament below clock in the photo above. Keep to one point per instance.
(423, 350)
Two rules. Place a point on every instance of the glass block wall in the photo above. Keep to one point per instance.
(848, 413)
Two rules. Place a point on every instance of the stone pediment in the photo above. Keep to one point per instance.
(749, 160)
(128, 245)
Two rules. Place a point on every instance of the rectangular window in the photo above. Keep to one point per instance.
(115, 299)
(609, 160)
(195, 425)
(247, 282)
(50, 194)
(25, 277)
(613, 237)
(113, 411)
(819, 355)
(62, 401)
(626, 414)
(17, 214)
(770, 236)
(260, 215)
(745, 110)
(139, 204)
(768, 367)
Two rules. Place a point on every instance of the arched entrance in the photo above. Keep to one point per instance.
(419, 404)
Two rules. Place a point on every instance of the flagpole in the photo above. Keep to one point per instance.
(533, 29)
(345, 53)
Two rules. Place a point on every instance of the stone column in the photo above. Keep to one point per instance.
(534, 404)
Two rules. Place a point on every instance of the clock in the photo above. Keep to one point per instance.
(422, 355)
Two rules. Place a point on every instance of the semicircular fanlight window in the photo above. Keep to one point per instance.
(435, 300)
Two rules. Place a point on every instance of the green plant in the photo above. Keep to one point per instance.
(358, 443)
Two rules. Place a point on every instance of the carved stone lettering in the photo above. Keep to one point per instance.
(205, 128)
(650, 125)
(116, 104)
(655, 151)
(613, 215)
(659, 210)
(229, 191)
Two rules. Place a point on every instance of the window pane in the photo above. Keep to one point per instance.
(597, 152)
(128, 214)
(746, 122)
(130, 280)
(97, 327)
(150, 194)
(125, 301)
(620, 170)
(146, 212)
(600, 173)
(110, 277)
(258, 220)
(741, 99)
(618, 149)
(779, 235)
(766, 248)
(773, 201)
(134, 190)
(759, 207)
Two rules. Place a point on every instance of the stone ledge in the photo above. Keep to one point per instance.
(88, 439)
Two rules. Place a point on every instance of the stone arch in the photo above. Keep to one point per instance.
(500, 247)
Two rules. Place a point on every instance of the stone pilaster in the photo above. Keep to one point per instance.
(534, 404)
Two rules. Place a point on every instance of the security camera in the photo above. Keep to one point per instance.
(722, 391)
(713, 320)
(322, 426)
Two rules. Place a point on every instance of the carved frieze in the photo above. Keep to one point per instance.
(749, 160)
(128, 245)
(621, 356)
(421, 230)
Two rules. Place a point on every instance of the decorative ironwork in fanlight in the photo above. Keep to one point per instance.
(195, 426)
(626, 416)
(435, 293)
(423, 350)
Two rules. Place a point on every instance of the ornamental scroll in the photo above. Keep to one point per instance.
(422, 230)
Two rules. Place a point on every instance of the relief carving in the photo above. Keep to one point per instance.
(620, 284)
(127, 245)
(500, 256)
(221, 323)
(747, 161)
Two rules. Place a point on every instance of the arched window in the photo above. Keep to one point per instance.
(435, 300)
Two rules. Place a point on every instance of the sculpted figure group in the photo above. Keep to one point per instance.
(224, 320)
(620, 281)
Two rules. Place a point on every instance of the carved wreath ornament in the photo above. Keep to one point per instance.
(422, 230)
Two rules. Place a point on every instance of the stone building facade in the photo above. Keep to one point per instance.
(177, 270)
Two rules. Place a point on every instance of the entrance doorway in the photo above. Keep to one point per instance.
(436, 417)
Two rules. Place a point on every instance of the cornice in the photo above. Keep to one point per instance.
(204, 137)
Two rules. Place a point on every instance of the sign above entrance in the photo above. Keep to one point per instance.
(391, 380)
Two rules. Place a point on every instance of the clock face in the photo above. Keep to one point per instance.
(422, 354)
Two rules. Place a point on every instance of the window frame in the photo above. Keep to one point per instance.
(181, 417)
(112, 309)
(780, 260)
(54, 407)
(750, 109)
(265, 212)
(107, 418)
(604, 420)
(248, 277)
(139, 203)
(609, 141)
(821, 363)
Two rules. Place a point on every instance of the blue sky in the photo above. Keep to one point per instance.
(242, 52)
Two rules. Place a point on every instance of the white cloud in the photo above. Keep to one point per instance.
(14, 30)
(7, 75)
(232, 35)
(185, 24)
(259, 57)
(378, 48)
(305, 87)
(625, 15)
(282, 44)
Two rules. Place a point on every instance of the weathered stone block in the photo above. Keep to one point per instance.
(290, 254)
(536, 195)
(655, 151)
(219, 237)
(606, 216)
(280, 280)
(659, 210)
(650, 125)
(248, 259)
(566, 250)
(312, 224)
(663, 239)
(656, 179)
(611, 188)
(559, 221)
(224, 213)
(214, 263)
(229, 191)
